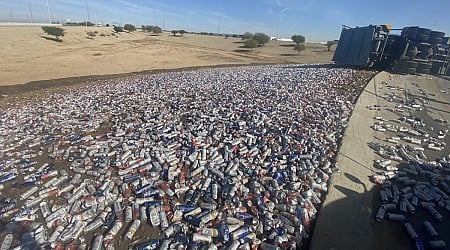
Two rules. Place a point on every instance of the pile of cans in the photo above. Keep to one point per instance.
(231, 158)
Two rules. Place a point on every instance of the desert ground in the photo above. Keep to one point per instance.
(30, 55)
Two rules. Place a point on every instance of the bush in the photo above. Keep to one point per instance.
(299, 47)
(53, 31)
(148, 28)
(118, 29)
(157, 30)
(261, 38)
(129, 27)
(251, 43)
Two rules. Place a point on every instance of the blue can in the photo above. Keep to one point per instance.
(224, 232)
(144, 188)
(244, 216)
(185, 208)
(194, 221)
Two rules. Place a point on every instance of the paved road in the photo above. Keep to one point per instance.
(346, 220)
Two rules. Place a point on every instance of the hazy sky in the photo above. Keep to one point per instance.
(318, 20)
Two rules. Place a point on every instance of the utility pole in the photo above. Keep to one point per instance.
(49, 15)
(31, 11)
(87, 9)
(218, 27)
(279, 23)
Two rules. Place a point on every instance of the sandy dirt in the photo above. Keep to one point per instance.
(30, 55)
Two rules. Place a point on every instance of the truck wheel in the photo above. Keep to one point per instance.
(446, 40)
(435, 40)
(437, 34)
(410, 32)
(423, 46)
(422, 37)
(424, 31)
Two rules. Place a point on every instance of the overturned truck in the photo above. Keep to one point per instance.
(412, 50)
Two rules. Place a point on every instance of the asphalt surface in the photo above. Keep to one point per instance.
(347, 218)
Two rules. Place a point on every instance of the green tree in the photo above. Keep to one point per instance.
(251, 43)
(299, 47)
(129, 27)
(247, 35)
(148, 28)
(157, 30)
(182, 32)
(261, 38)
(53, 31)
(118, 29)
(329, 44)
(298, 39)
(174, 32)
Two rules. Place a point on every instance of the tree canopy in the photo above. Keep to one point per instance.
(129, 27)
(181, 32)
(298, 39)
(261, 38)
(152, 28)
(53, 31)
(247, 35)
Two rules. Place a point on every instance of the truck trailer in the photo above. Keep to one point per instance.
(413, 50)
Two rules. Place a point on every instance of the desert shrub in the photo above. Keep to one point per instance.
(53, 31)
(118, 29)
(299, 47)
(251, 43)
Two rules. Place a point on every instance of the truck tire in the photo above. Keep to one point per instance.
(423, 71)
(424, 31)
(422, 38)
(435, 40)
(410, 32)
(446, 40)
(437, 34)
(423, 46)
